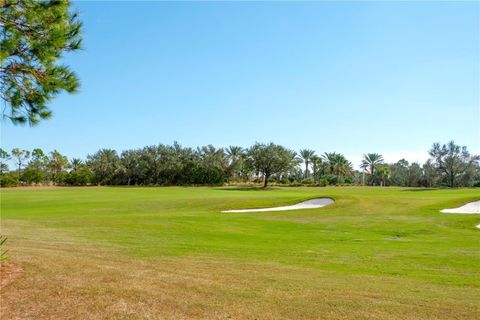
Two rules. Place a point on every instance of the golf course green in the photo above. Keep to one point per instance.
(170, 253)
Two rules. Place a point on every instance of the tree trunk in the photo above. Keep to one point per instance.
(265, 181)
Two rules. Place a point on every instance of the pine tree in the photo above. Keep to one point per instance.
(34, 36)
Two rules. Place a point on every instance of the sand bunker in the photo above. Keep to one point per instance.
(469, 208)
(309, 204)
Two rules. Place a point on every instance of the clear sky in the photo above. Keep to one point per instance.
(349, 77)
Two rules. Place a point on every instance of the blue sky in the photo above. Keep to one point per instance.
(387, 77)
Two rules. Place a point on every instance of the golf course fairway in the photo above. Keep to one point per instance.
(170, 253)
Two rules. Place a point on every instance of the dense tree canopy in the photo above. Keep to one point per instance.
(269, 159)
(33, 38)
(261, 163)
(453, 163)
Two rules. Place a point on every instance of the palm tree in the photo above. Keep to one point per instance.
(234, 153)
(383, 172)
(76, 163)
(338, 165)
(306, 155)
(318, 166)
(235, 158)
(370, 162)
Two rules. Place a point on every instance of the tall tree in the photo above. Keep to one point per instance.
(21, 156)
(338, 165)
(430, 173)
(370, 162)
(4, 157)
(37, 167)
(212, 165)
(452, 161)
(382, 172)
(235, 159)
(39, 160)
(306, 155)
(34, 36)
(105, 165)
(130, 160)
(399, 173)
(269, 159)
(57, 163)
(76, 164)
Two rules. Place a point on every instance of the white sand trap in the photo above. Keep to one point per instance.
(309, 204)
(469, 208)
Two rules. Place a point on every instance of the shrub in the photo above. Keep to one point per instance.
(31, 175)
(78, 178)
(307, 181)
(60, 177)
(323, 182)
(348, 180)
(332, 180)
(9, 179)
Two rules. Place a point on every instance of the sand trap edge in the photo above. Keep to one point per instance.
(468, 208)
(308, 204)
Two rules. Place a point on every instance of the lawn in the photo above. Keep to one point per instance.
(169, 253)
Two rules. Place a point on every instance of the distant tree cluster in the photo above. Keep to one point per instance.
(449, 166)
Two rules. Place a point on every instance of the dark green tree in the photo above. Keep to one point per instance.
(130, 165)
(4, 157)
(453, 162)
(338, 167)
(76, 164)
(235, 155)
(57, 164)
(269, 159)
(105, 165)
(34, 36)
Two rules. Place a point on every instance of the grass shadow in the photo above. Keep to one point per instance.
(246, 188)
(420, 189)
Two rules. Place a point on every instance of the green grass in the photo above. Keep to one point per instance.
(381, 234)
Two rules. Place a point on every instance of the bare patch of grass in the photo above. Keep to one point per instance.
(69, 282)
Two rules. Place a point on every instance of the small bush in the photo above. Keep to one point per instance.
(78, 178)
(332, 180)
(348, 180)
(323, 182)
(307, 181)
(9, 179)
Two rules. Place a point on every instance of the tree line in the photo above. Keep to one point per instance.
(450, 165)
